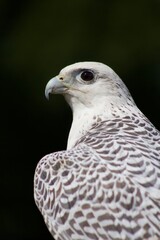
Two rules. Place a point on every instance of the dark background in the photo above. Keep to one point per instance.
(38, 38)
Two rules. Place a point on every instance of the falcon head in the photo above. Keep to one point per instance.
(87, 84)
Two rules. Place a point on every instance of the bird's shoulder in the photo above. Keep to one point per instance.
(58, 166)
(105, 166)
(121, 146)
(136, 131)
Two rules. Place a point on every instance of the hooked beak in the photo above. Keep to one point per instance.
(55, 86)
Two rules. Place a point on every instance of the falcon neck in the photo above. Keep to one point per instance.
(84, 118)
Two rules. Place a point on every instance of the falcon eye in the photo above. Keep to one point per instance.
(87, 75)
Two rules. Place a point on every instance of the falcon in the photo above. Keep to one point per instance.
(106, 185)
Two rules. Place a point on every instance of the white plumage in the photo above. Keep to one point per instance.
(106, 185)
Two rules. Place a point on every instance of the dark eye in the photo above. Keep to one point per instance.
(87, 75)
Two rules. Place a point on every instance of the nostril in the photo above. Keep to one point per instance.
(61, 78)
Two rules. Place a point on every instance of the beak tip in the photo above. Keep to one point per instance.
(47, 92)
(54, 86)
(47, 97)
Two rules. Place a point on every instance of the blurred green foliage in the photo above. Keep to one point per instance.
(38, 38)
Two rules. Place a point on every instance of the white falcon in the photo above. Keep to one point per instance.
(106, 185)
